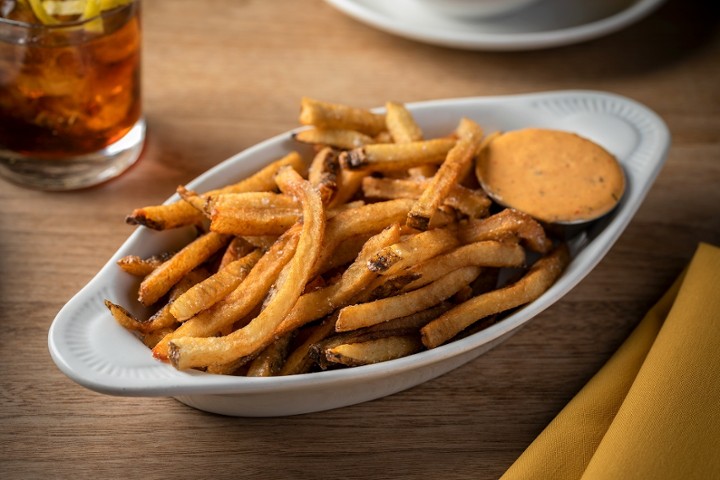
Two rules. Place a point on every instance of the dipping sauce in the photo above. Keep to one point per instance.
(554, 176)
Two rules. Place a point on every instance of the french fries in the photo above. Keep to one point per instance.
(179, 214)
(453, 169)
(535, 282)
(162, 279)
(379, 246)
(188, 352)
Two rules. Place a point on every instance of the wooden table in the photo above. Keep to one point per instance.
(221, 75)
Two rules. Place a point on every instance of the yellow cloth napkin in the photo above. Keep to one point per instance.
(653, 410)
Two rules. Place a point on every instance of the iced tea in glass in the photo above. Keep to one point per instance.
(70, 106)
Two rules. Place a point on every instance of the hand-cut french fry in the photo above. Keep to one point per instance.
(374, 351)
(473, 203)
(336, 116)
(253, 221)
(241, 301)
(401, 124)
(388, 157)
(213, 289)
(371, 313)
(250, 200)
(178, 214)
(188, 352)
(413, 250)
(160, 280)
(323, 173)
(508, 224)
(538, 279)
(269, 362)
(140, 267)
(488, 253)
(344, 139)
(452, 171)
(252, 213)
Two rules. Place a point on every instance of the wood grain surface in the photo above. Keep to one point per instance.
(222, 75)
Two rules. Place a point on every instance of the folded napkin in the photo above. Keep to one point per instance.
(653, 410)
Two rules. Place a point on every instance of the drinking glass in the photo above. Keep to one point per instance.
(70, 104)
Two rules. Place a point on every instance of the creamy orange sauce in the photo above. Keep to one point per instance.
(555, 176)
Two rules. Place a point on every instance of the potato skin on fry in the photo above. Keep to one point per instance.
(374, 351)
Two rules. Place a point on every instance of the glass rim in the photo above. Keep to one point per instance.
(67, 24)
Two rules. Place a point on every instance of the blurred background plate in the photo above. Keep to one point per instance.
(548, 23)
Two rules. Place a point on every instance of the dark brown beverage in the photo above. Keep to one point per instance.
(69, 89)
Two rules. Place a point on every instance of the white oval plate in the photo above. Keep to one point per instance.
(92, 349)
(548, 23)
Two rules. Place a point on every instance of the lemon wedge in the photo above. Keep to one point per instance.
(48, 11)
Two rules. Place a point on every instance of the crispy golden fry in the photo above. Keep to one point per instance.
(452, 171)
(140, 267)
(401, 124)
(242, 300)
(250, 201)
(371, 313)
(252, 213)
(488, 253)
(413, 250)
(473, 203)
(388, 157)
(178, 214)
(323, 173)
(188, 352)
(269, 362)
(253, 221)
(374, 351)
(538, 279)
(213, 289)
(345, 139)
(161, 280)
(509, 224)
(336, 116)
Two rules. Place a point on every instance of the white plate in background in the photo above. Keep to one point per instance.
(90, 347)
(548, 23)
